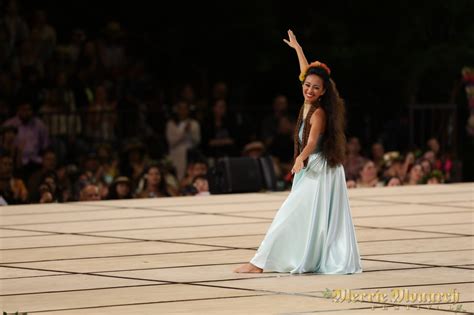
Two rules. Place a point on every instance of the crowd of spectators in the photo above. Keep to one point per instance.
(380, 168)
(84, 119)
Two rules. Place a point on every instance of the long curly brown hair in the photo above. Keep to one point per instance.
(334, 138)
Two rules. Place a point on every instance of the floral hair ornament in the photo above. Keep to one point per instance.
(314, 64)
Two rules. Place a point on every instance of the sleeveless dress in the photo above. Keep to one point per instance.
(313, 230)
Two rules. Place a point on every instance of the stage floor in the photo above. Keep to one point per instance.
(176, 255)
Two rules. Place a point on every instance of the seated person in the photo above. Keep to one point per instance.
(367, 176)
(201, 186)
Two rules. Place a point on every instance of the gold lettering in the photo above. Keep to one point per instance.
(436, 297)
(412, 297)
(354, 296)
(423, 297)
(397, 295)
(338, 295)
(456, 296)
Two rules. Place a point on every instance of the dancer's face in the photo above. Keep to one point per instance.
(313, 88)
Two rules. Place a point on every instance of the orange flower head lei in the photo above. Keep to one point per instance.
(314, 64)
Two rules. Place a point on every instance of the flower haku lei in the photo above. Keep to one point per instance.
(314, 64)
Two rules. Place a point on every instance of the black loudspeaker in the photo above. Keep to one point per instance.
(235, 175)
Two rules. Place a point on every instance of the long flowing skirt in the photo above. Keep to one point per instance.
(313, 230)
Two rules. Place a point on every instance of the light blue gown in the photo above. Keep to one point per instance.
(313, 230)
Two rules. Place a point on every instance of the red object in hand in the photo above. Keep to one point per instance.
(289, 177)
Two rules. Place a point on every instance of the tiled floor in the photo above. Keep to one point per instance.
(176, 255)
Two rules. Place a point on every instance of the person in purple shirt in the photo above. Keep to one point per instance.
(32, 137)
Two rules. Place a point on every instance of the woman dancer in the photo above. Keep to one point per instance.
(313, 230)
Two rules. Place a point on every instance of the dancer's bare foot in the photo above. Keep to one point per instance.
(248, 268)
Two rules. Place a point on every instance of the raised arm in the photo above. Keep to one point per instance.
(293, 43)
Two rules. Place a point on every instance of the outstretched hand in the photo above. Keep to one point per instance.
(292, 42)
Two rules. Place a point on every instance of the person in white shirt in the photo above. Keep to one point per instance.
(182, 133)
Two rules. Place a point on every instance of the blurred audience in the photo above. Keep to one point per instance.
(12, 189)
(195, 168)
(153, 184)
(183, 135)
(121, 188)
(271, 122)
(377, 155)
(367, 176)
(281, 146)
(89, 192)
(394, 181)
(86, 119)
(32, 137)
(254, 149)
(201, 185)
(9, 144)
(414, 174)
(353, 159)
(220, 131)
(48, 164)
